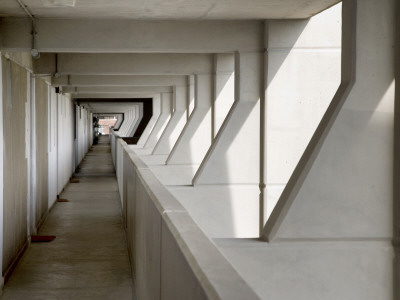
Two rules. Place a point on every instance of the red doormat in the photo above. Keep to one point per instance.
(74, 180)
(42, 238)
(62, 200)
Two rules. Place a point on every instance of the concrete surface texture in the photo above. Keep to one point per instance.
(187, 9)
(89, 258)
(269, 167)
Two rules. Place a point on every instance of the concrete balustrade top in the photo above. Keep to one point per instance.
(216, 276)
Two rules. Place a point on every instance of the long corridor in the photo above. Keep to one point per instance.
(88, 259)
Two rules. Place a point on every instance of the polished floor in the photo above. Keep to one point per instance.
(89, 258)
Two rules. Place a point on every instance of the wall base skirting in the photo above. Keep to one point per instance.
(14, 262)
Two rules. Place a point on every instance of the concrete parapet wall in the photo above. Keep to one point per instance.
(171, 257)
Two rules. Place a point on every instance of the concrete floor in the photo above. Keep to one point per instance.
(89, 258)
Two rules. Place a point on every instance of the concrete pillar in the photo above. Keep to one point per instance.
(234, 157)
(190, 95)
(138, 118)
(195, 138)
(175, 124)
(338, 202)
(224, 88)
(303, 75)
(162, 121)
(156, 114)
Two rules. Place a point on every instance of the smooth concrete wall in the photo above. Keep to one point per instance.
(15, 163)
(119, 169)
(83, 132)
(52, 146)
(41, 111)
(171, 257)
(65, 140)
(304, 63)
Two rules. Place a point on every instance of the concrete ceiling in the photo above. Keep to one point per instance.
(171, 9)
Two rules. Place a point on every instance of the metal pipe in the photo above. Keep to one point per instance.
(25, 8)
(34, 52)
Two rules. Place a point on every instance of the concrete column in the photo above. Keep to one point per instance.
(342, 189)
(195, 139)
(303, 75)
(352, 164)
(190, 95)
(234, 156)
(138, 118)
(175, 124)
(162, 121)
(224, 88)
(156, 114)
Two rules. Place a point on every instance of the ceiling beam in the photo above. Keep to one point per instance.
(119, 80)
(132, 36)
(123, 64)
(117, 89)
(112, 95)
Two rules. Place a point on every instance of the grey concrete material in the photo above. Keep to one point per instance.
(224, 88)
(234, 213)
(137, 162)
(170, 134)
(196, 136)
(175, 104)
(159, 194)
(174, 174)
(152, 159)
(187, 9)
(88, 258)
(166, 111)
(15, 165)
(147, 245)
(366, 189)
(152, 122)
(118, 80)
(128, 64)
(183, 276)
(319, 31)
(349, 19)
(296, 100)
(117, 90)
(296, 103)
(22, 59)
(41, 107)
(362, 205)
(127, 36)
(313, 270)
(110, 95)
(194, 140)
(220, 164)
(198, 261)
(239, 135)
(67, 294)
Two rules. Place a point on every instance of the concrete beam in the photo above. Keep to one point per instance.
(119, 80)
(123, 64)
(69, 36)
(111, 95)
(117, 90)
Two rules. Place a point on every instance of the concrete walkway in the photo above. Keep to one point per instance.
(89, 258)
